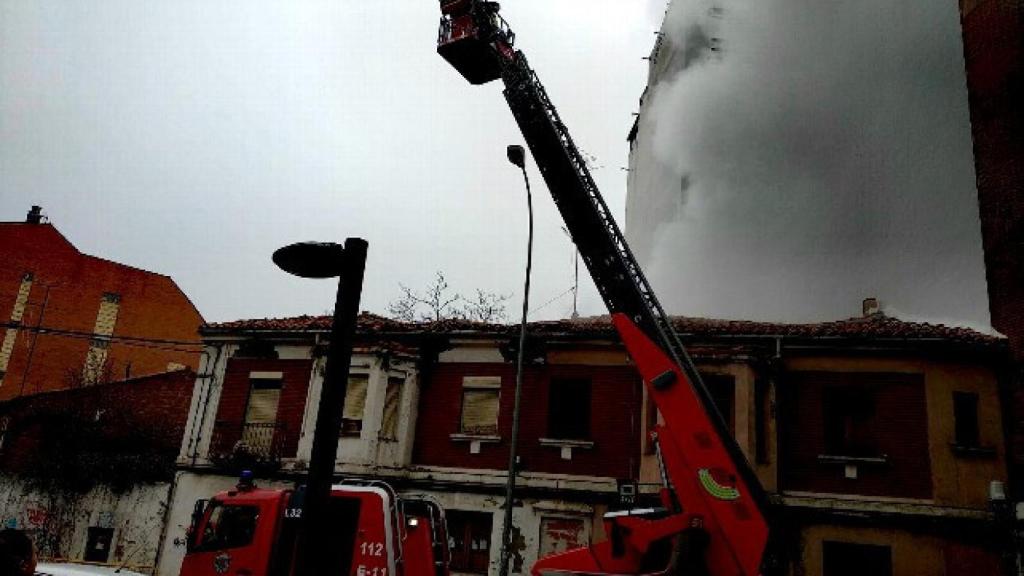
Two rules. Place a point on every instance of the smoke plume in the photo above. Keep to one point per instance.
(796, 156)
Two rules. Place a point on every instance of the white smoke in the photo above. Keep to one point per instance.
(797, 156)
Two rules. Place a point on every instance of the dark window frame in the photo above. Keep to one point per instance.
(849, 414)
(853, 558)
(966, 420)
(464, 528)
(570, 401)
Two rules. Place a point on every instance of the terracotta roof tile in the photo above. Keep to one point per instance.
(874, 327)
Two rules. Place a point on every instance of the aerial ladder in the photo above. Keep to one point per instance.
(712, 517)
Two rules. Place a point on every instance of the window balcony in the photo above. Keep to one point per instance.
(239, 445)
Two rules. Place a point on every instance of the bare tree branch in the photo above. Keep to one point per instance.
(438, 302)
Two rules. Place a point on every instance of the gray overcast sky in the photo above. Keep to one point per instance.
(193, 137)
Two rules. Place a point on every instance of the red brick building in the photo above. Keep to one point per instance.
(993, 33)
(69, 318)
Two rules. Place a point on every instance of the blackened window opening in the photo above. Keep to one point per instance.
(569, 409)
(850, 421)
(965, 414)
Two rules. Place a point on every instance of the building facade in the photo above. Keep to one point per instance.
(880, 441)
(71, 319)
(993, 34)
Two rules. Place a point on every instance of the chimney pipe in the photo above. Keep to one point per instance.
(871, 307)
(35, 215)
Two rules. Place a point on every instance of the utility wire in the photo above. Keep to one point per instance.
(552, 301)
(137, 341)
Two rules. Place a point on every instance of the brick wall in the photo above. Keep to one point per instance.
(235, 395)
(156, 405)
(615, 425)
(66, 293)
(899, 430)
(993, 35)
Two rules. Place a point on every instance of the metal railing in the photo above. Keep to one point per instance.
(248, 441)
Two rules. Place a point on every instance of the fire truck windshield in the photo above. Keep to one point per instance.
(228, 526)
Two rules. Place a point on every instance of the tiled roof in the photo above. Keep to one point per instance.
(877, 327)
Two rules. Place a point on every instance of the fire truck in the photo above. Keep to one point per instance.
(711, 517)
(251, 531)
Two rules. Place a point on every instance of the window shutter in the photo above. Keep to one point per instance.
(480, 411)
(263, 402)
(355, 397)
(389, 423)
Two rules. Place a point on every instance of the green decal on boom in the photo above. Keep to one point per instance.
(716, 489)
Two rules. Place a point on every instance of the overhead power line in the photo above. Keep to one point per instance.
(136, 341)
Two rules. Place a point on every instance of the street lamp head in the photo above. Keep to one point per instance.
(311, 259)
(517, 155)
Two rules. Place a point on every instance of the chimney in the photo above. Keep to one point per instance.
(871, 307)
(35, 215)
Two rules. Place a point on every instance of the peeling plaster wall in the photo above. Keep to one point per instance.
(59, 523)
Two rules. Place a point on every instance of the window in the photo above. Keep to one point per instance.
(849, 420)
(846, 559)
(261, 411)
(97, 545)
(355, 402)
(965, 415)
(5, 425)
(469, 537)
(558, 535)
(480, 396)
(106, 319)
(722, 388)
(569, 409)
(392, 400)
(762, 414)
(228, 527)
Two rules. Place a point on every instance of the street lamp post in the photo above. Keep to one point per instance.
(517, 156)
(326, 260)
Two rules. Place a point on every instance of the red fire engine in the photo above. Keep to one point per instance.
(251, 531)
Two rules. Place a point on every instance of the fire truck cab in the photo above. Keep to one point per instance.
(251, 531)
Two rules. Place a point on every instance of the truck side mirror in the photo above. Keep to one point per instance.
(192, 536)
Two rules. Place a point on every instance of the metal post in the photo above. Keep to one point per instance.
(506, 531)
(314, 548)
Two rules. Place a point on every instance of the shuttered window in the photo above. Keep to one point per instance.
(392, 399)
(106, 319)
(264, 396)
(355, 402)
(480, 396)
(20, 301)
(261, 413)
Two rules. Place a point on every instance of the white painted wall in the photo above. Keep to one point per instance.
(63, 521)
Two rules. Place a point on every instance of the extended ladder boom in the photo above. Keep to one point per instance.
(478, 43)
